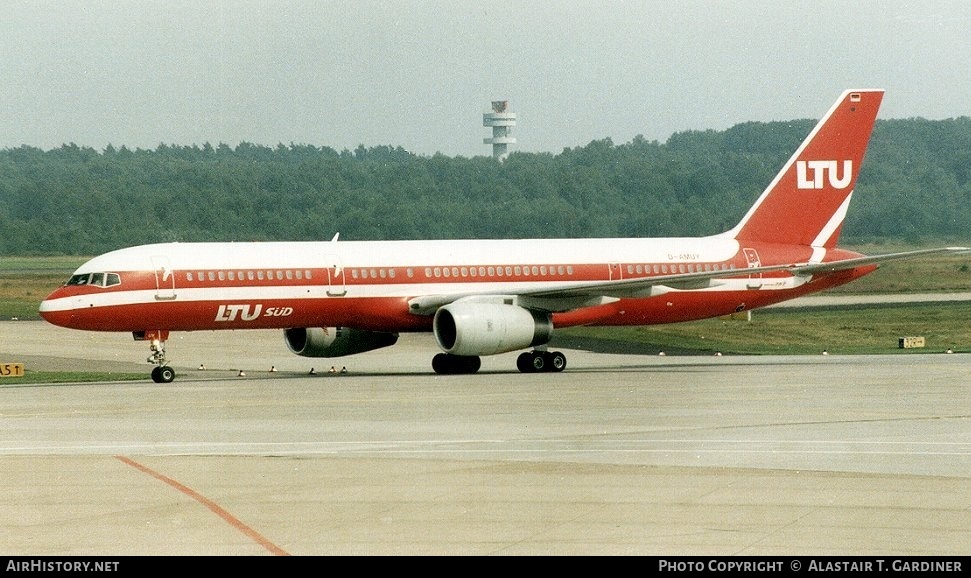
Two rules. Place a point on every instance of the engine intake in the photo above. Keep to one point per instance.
(335, 341)
(489, 328)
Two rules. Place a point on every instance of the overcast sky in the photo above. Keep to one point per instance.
(420, 74)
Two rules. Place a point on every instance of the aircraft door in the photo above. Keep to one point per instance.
(336, 287)
(753, 261)
(614, 272)
(164, 278)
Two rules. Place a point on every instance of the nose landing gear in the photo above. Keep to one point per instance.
(163, 373)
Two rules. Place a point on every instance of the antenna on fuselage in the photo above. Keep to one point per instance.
(337, 234)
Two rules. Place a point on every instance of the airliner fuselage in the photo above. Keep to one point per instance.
(484, 297)
(372, 285)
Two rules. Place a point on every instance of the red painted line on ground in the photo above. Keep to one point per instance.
(213, 506)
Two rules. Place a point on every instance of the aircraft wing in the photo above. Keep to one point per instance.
(814, 268)
(564, 297)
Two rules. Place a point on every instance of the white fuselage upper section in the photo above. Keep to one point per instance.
(366, 254)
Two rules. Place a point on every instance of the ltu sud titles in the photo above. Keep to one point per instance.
(876, 565)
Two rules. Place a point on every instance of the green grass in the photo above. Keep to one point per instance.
(25, 281)
(41, 377)
(848, 330)
(937, 274)
(21, 293)
(59, 264)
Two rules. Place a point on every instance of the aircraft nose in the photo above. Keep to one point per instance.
(51, 312)
(46, 310)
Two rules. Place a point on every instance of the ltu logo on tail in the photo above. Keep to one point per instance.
(812, 174)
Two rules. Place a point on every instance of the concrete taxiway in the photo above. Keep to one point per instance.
(620, 454)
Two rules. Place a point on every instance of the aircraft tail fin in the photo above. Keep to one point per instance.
(807, 201)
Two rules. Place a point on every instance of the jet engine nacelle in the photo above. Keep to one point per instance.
(335, 341)
(489, 328)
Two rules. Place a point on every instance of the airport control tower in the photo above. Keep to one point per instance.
(501, 123)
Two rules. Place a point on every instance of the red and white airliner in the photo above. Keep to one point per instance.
(485, 297)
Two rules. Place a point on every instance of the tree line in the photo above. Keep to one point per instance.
(75, 200)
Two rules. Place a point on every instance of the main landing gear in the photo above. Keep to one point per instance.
(539, 361)
(527, 362)
(163, 373)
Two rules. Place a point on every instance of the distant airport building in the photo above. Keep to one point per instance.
(501, 122)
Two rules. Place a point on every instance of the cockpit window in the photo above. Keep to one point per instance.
(96, 279)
